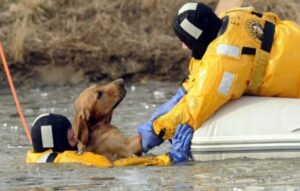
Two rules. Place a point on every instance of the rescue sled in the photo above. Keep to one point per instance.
(251, 127)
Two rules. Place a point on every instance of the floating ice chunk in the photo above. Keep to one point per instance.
(44, 94)
(132, 88)
(158, 94)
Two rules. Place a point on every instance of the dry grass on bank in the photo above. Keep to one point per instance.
(109, 38)
(100, 39)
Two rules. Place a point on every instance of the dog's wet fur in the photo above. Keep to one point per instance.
(92, 122)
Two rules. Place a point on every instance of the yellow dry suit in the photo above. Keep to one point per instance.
(87, 158)
(91, 159)
(254, 53)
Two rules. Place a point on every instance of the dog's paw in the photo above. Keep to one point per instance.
(80, 147)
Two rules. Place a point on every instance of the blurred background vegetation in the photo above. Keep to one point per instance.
(61, 42)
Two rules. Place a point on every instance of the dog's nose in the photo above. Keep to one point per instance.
(120, 81)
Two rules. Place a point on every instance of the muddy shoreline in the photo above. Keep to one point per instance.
(67, 42)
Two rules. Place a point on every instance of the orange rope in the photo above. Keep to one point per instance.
(13, 91)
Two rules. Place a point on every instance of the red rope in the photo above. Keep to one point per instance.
(14, 93)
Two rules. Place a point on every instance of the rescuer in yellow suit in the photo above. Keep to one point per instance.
(240, 52)
(53, 141)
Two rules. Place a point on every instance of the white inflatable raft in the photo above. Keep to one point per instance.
(252, 127)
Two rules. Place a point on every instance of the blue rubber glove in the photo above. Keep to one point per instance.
(167, 106)
(149, 138)
(181, 142)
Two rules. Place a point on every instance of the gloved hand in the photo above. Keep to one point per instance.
(149, 138)
(181, 142)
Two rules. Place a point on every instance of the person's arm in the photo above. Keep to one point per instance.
(216, 83)
(179, 152)
(149, 138)
(86, 158)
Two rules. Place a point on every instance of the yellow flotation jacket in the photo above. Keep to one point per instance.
(257, 54)
(91, 159)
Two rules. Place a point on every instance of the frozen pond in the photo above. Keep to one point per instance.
(136, 108)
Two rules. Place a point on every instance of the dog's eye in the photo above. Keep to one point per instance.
(99, 94)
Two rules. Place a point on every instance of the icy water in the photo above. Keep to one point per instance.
(141, 100)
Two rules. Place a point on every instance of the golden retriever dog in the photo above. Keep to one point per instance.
(92, 122)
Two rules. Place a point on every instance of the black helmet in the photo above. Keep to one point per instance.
(50, 131)
(196, 25)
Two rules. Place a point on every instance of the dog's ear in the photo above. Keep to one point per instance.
(80, 126)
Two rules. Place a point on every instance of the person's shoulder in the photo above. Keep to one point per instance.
(37, 157)
(237, 10)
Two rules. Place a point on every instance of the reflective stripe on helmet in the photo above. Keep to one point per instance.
(47, 136)
(188, 7)
(190, 28)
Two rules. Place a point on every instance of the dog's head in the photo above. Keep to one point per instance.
(96, 104)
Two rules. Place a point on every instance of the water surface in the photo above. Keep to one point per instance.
(136, 108)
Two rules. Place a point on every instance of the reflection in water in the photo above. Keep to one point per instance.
(136, 108)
